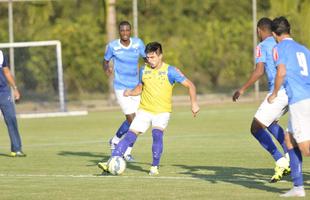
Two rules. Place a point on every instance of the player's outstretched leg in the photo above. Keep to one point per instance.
(157, 149)
(122, 146)
(296, 174)
(119, 134)
(120, 149)
(264, 138)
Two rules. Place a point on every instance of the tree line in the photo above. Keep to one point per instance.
(209, 40)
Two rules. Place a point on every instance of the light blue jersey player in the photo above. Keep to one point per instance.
(293, 66)
(264, 55)
(125, 53)
(266, 117)
(125, 61)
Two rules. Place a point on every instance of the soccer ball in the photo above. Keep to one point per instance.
(116, 165)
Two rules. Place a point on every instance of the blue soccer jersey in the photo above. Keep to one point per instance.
(264, 55)
(3, 81)
(296, 59)
(126, 61)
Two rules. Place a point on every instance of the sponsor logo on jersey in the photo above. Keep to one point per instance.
(258, 52)
(275, 54)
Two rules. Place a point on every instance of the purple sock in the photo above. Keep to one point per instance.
(296, 166)
(121, 147)
(157, 147)
(266, 141)
(122, 129)
(278, 133)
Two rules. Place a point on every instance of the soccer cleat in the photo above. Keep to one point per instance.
(295, 192)
(112, 145)
(17, 154)
(129, 158)
(154, 171)
(103, 166)
(279, 172)
(287, 171)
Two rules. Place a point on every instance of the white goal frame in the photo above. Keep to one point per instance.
(56, 43)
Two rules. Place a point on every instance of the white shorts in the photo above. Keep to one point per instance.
(270, 112)
(129, 105)
(144, 119)
(299, 120)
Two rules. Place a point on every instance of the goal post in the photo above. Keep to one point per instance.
(56, 43)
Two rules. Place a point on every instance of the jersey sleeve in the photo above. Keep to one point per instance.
(108, 52)
(175, 75)
(141, 74)
(142, 49)
(3, 60)
(260, 54)
(279, 56)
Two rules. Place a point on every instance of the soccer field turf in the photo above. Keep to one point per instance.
(210, 157)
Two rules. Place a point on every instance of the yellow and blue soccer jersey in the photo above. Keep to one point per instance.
(126, 60)
(264, 55)
(157, 89)
(296, 59)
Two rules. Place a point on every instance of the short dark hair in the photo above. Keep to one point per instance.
(265, 24)
(153, 47)
(124, 23)
(280, 26)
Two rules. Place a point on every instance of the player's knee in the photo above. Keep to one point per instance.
(10, 118)
(130, 118)
(255, 126)
(305, 152)
(157, 135)
(289, 142)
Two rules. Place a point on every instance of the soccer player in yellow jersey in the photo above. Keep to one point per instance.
(156, 84)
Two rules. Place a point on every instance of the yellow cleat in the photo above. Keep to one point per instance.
(17, 154)
(154, 171)
(279, 172)
(103, 166)
(287, 171)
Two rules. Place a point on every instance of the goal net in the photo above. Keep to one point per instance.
(39, 75)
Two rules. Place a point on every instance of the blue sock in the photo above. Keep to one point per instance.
(122, 129)
(278, 133)
(157, 147)
(296, 166)
(121, 147)
(266, 141)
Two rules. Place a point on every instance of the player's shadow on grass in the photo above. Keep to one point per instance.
(137, 166)
(99, 156)
(246, 177)
(5, 155)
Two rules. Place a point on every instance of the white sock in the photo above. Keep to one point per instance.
(115, 140)
(282, 162)
(287, 157)
(128, 151)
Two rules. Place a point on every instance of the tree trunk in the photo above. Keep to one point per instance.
(111, 34)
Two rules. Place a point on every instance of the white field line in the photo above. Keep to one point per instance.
(99, 141)
(85, 176)
(132, 177)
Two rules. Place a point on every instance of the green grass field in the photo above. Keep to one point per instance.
(210, 157)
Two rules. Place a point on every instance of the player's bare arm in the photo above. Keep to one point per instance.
(107, 68)
(281, 72)
(256, 75)
(134, 92)
(193, 97)
(10, 79)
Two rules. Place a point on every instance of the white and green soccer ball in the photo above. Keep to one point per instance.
(116, 165)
